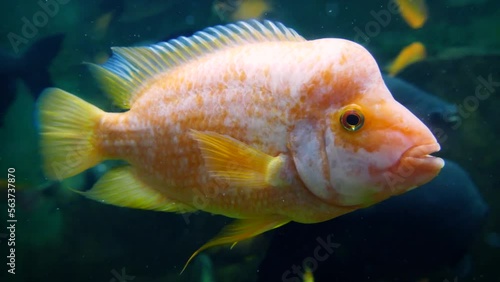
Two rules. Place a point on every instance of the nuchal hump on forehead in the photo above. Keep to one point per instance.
(248, 120)
(338, 71)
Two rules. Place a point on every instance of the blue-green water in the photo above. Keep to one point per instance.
(449, 231)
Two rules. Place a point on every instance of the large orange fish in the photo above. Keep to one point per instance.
(248, 120)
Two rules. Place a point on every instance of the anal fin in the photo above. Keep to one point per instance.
(121, 187)
(239, 230)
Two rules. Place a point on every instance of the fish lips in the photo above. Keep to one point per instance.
(415, 168)
(421, 155)
(418, 165)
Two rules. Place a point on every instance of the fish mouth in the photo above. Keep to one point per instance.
(420, 156)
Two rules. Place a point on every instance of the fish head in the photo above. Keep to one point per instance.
(362, 146)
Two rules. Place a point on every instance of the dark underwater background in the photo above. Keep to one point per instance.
(447, 230)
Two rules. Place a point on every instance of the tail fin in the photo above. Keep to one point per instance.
(67, 125)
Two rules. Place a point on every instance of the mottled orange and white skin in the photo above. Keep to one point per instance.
(280, 98)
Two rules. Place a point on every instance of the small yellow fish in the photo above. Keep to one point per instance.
(308, 275)
(248, 120)
(237, 10)
(414, 12)
(5, 185)
(102, 23)
(410, 54)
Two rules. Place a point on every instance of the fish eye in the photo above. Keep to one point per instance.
(352, 119)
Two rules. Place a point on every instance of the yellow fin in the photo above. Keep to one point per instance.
(241, 165)
(120, 187)
(240, 230)
(130, 68)
(67, 126)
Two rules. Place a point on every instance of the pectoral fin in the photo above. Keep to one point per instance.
(239, 230)
(238, 163)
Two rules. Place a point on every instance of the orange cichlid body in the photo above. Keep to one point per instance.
(248, 120)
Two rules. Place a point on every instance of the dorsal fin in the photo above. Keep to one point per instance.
(124, 74)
